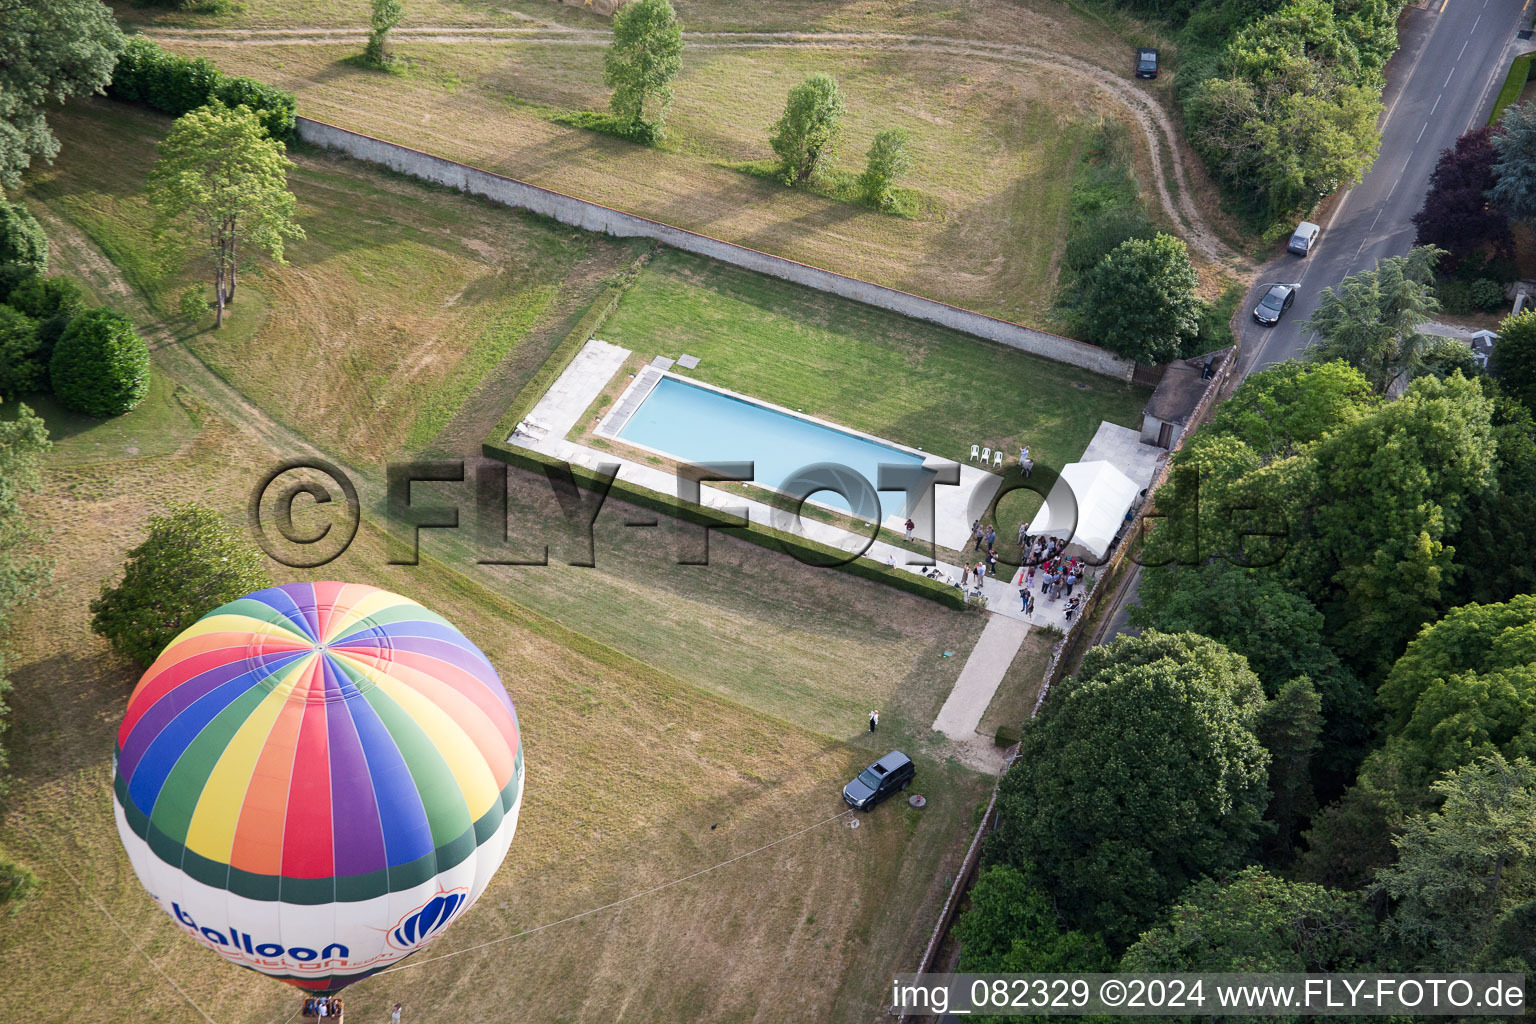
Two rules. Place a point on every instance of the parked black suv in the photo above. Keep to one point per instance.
(890, 774)
(1146, 63)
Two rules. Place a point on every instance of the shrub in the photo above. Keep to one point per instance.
(42, 297)
(174, 85)
(17, 883)
(1486, 294)
(888, 160)
(100, 366)
(22, 241)
(193, 303)
(20, 370)
(191, 562)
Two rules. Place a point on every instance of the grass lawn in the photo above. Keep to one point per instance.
(657, 700)
(635, 778)
(994, 147)
(395, 305)
(1014, 702)
(914, 383)
(163, 422)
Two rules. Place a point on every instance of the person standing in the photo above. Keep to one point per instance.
(1029, 467)
(1024, 600)
(991, 538)
(874, 720)
(1071, 582)
(1023, 534)
(980, 535)
(965, 575)
(394, 1015)
(910, 527)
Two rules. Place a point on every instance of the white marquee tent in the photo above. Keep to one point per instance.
(1102, 496)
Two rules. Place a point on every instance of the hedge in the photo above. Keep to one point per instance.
(147, 74)
(1514, 84)
(496, 447)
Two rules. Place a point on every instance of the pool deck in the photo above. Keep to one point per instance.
(566, 402)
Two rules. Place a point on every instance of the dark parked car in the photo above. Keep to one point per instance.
(1303, 238)
(891, 774)
(1275, 302)
(1146, 63)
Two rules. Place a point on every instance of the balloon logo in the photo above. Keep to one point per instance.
(421, 924)
(315, 780)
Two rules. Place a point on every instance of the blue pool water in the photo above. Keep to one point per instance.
(698, 425)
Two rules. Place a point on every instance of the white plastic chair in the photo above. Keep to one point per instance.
(997, 459)
(986, 456)
(974, 449)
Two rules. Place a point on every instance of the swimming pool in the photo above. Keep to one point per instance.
(701, 425)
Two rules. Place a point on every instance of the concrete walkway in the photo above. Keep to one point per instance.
(983, 671)
(979, 678)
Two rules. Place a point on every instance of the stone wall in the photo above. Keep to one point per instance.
(593, 217)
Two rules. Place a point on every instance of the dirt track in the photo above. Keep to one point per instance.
(1148, 114)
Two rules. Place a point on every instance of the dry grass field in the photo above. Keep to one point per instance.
(657, 700)
(996, 139)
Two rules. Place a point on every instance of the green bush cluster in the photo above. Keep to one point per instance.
(1484, 295)
(147, 74)
(100, 366)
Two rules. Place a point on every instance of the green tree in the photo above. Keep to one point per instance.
(1256, 922)
(190, 563)
(100, 366)
(1497, 524)
(1283, 636)
(1514, 172)
(1371, 321)
(1281, 408)
(220, 182)
(805, 135)
(386, 14)
(1011, 928)
(1140, 300)
(1290, 727)
(642, 60)
(1139, 775)
(22, 242)
(1461, 869)
(20, 370)
(54, 49)
(1513, 360)
(1465, 688)
(1443, 357)
(1392, 487)
(1351, 839)
(889, 158)
(23, 442)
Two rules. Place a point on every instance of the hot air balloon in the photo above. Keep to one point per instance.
(317, 779)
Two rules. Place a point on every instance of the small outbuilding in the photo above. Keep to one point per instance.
(1177, 395)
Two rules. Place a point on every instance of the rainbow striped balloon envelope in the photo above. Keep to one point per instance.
(315, 780)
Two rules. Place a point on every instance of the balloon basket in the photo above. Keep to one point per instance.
(327, 1008)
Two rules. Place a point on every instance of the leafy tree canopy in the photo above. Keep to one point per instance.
(100, 366)
(1371, 319)
(1256, 922)
(190, 563)
(1513, 360)
(1140, 300)
(53, 49)
(1514, 172)
(805, 135)
(1463, 869)
(1138, 776)
(1456, 215)
(644, 57)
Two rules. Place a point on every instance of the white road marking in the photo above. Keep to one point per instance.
(1448, 78)
(1436, 106)
(1421, 133)
(1474, 24)
(1463, 50)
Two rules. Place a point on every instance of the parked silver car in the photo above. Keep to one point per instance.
(1303, 238)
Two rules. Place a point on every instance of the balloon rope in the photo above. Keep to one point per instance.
(615, 903)
(107, 914)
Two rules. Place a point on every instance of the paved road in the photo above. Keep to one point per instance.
(1441, 82)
